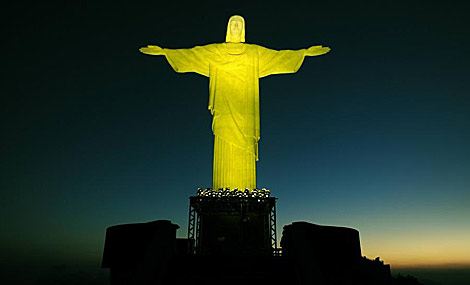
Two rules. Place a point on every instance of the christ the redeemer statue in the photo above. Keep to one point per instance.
(234, 68)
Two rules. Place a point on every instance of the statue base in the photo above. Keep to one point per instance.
(233, 226)
(231, 250)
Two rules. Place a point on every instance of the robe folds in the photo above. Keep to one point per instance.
(234, 71)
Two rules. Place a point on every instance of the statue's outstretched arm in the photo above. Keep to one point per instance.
(194, 59)
(152, 50)
(316, 50)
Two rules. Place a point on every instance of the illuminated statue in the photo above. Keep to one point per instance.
(234, 69)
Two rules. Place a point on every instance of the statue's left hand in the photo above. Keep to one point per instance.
(316, 50)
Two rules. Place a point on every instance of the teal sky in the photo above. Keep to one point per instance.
(375, 135)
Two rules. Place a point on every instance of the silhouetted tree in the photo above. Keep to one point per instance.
(405, 280)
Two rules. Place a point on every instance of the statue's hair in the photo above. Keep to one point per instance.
(229, 37)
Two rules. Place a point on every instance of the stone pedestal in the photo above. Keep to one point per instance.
(233, 226)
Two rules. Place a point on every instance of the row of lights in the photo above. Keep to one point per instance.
(227, 192)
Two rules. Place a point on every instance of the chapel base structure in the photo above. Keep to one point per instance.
(233, 226)
(150, 253)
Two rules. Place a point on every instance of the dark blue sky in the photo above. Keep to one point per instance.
(375, 135)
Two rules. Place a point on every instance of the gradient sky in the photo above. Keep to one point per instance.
(375, 135)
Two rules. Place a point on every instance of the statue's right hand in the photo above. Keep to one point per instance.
(153, 50)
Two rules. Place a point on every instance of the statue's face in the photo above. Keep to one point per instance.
(236, 27)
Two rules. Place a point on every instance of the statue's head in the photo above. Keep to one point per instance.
(235, 30)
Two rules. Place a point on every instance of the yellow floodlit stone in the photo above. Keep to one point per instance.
(234, 68)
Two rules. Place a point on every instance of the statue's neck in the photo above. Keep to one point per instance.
(234, 48)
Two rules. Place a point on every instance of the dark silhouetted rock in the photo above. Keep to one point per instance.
(149, 253)
(375, 271)
(329, 255)
(139, 253)
(322, 254)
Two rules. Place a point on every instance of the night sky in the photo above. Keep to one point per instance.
(374, 135)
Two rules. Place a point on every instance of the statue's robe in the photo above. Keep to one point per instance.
(234, 71)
